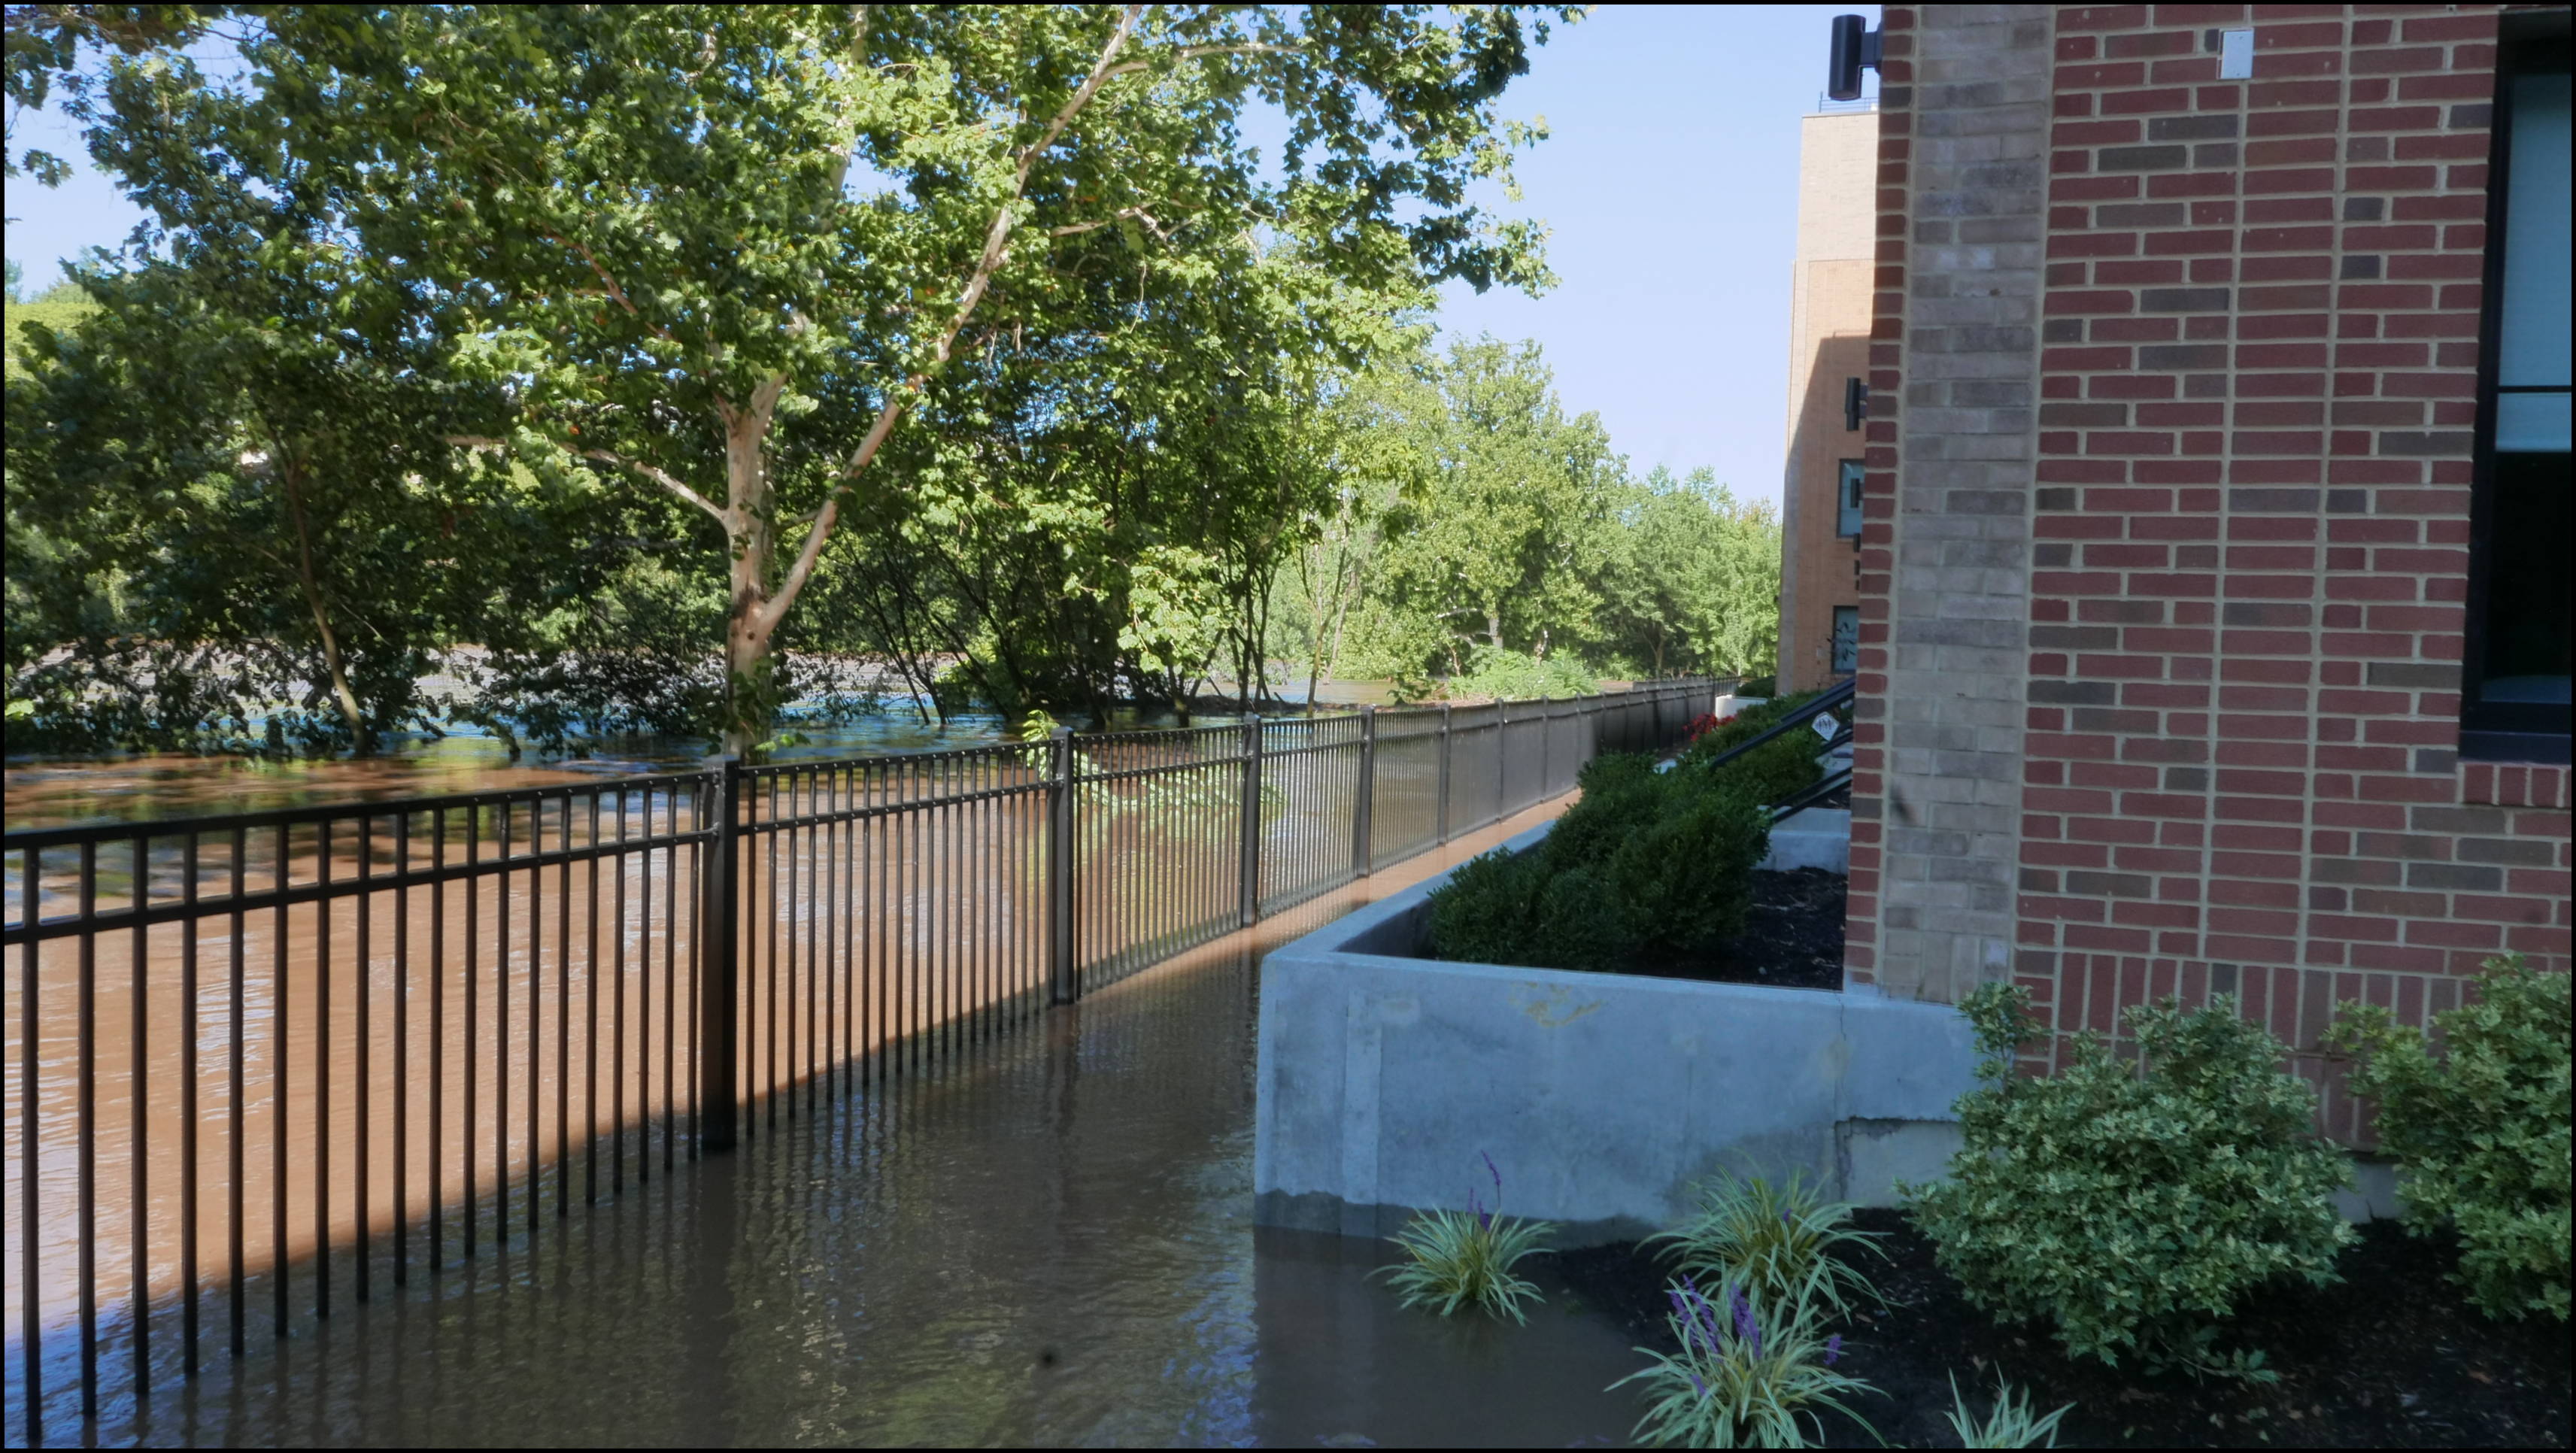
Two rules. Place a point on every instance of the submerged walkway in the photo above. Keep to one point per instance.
(1047, 1242)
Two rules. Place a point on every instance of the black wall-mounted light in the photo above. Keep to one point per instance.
(1855, 402)
(1855, 48)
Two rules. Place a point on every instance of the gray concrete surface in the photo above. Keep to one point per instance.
(1383, 1080)
(1819, 837)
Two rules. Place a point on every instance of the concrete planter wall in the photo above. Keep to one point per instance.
(1602, 1097)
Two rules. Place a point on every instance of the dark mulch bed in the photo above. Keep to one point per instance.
(1793, 940)
(2391, 1357)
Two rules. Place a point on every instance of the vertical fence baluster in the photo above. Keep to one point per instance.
(139, 897)
(360, 1106)
(1364, 797)
(31, 1344)
(402, 1048)
(189, 1129)
(236, 1309)
(717, 1107)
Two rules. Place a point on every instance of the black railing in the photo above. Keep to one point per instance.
(261, 1062)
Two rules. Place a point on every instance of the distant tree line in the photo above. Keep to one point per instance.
(672, 359)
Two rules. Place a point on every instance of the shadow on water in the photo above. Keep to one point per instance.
(1048, 1241)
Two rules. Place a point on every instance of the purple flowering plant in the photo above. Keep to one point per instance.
(1751, 1371)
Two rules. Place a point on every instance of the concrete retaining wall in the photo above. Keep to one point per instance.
(1602, 1097)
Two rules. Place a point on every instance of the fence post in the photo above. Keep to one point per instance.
(1502, 760)
(1361, 854)
(1250, 868)
(1065, 984)
(1444, 772)
(719, 935)
(1546, 749)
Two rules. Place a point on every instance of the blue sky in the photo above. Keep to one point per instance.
(1670, 184)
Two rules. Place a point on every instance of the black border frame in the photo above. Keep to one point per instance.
(2527, 42)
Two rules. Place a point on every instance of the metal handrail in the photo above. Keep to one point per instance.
(1809, 796)
(1827, 701)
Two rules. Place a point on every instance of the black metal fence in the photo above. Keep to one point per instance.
(261, 1062)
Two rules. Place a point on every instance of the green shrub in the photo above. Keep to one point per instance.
(2133, 1202)
(1686, 874)
(1772, 772)
(1778, 1241)
(1750, 1374)
(1759, 686)
(1511, 676)
(1622, 792)
(1645, 860)
(2481, 1130)
(1460, 1259)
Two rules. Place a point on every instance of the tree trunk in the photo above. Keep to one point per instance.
(752, 535)
(291, 475)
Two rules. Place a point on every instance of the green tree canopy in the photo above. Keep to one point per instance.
(723, 253)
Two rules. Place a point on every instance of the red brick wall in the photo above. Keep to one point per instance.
(2258, 364)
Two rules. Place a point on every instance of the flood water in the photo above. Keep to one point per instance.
(1048, 1241)
(47, 793)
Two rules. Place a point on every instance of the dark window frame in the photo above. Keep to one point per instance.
(2530, 43)
(1834, 641)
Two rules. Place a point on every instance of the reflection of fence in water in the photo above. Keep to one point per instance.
(258, 1063)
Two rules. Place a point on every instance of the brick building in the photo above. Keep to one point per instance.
(1829, 324)
(2213, 591)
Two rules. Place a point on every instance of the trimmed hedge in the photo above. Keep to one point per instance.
(1646, 862)
(1773, 772)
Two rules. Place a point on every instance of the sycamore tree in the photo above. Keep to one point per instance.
(237, 450)
(722, 254)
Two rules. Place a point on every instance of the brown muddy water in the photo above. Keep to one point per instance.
(1044, 1241)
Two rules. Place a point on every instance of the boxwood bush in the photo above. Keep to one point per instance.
(2481, 1129)
(1644, 863)
(2133, 1201)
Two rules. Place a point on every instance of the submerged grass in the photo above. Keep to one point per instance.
(1461, 1259)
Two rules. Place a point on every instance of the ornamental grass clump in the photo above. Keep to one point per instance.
(1750, 1374)
(1778, 1241)
(2010, 1423)
(1461, 1259)
(2133, 1202)
(2480, 1129)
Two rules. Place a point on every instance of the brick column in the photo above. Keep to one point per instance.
(1946, 549)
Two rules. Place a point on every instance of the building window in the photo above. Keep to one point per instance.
(1846, 639)
(2514, 697)
(1847, 499)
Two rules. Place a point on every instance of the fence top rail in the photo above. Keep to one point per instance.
(75, 834)
(821, 769)
(38, 839)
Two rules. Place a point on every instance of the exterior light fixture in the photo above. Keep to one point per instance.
(1855, 47)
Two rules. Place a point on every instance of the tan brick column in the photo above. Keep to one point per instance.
(1946, 554)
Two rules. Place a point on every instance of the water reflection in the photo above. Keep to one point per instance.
(1046, 1242)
